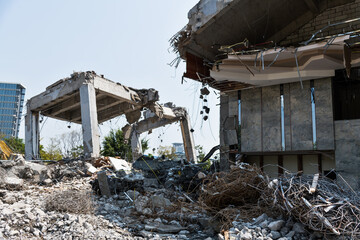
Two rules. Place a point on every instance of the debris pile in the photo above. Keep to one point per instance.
(156, 199)
(26, 214)
(264, 227)
(320, 204)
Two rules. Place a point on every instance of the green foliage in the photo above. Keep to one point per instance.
(16, 144)
(144, 144)
(207, 165)
(71, 144)
(77, 151)
(114, 145)
(166, 152)
(52, 151)
(200, 154)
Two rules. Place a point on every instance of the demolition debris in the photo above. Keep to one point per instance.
(163, 199)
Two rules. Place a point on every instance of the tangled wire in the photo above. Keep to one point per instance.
(318, 202)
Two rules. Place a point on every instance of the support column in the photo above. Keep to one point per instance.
(31, 134)
(136, 147)
(188, 138)
(224, 147)
(89, 121)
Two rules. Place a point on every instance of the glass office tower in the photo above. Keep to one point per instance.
(11, 106)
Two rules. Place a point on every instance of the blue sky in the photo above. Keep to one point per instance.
(42, 41)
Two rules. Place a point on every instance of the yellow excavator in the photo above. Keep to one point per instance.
(5, 150)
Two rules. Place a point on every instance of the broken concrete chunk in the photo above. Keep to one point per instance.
(159, 201)
(141, 203)
(13, 183)
(103, 183)
(276, 225)
(119, 164)
(162, 228)
(90, 169)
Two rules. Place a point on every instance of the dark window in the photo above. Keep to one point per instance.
(346, 96)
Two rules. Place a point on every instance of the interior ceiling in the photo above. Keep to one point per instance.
(68, 108)
(258, 21)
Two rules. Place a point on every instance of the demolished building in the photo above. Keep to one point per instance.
(289, 77)
(90, 99)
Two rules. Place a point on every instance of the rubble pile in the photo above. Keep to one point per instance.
(320, 204)
(24, 215)
(264, 227)
(155, 199)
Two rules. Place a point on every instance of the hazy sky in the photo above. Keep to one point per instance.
(42, 41)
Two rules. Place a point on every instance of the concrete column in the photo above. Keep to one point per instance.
(31, 134)
(136, 147)
(224, 148)
(188, 139)
(89, 121)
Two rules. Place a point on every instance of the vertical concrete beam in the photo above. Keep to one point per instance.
(271, 115)
(224, 149)
(89, 121)
(232, 123)
(347, 152)
(324, 114)
(188, 139)
(136, 147)
(287, 117)
(31, 134)
(301, 121)
(251, 120)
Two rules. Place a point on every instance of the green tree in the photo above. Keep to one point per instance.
(52, 151)
(16, 144)
(200, 154)
(114, 145)
(144, 145)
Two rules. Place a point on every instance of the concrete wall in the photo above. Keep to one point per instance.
(300, 117)
(332, 15)
(271, 166)
(290, 163)
(324, 114)
(251, 122)
(271, 118)
(261, 117)
(310, 163)
(347, 152)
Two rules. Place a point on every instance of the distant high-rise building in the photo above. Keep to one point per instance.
(11, 105)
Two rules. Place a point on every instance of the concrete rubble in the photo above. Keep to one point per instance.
(149, 199)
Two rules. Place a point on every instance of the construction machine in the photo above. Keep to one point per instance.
(5, 150)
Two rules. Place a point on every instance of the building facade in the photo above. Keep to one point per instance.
(288, 73)
(11, 106)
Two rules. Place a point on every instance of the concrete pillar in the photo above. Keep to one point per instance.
(31, 134)
(188, 139)
(224, 148)
(136, 147)
(89, 121)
